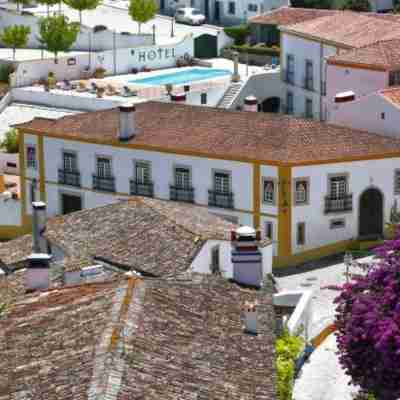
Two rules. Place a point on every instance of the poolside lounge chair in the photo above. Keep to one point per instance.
(128, 92)
(111, 90)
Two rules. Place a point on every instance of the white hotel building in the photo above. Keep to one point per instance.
(311, 187)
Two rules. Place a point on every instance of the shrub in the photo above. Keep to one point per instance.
(258, 49)
(238, 33)
(288, 348)
(368, 323)
(99, 28)
(11, 142)
(5, 71)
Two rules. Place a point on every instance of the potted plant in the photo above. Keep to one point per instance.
(51, 80)
(99, 73)
(168, 88)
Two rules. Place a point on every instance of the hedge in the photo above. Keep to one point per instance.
(238, 33)
(260, 50)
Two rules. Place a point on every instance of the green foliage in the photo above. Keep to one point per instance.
(321, 4)
(142, 11)
(15, 36)
(21, 2)
(288, 348)
(261, 50)
(357, 5)
(82, 5)
(57, 34)
(3, 308)
(5, 71)
(238, 33)
(11, 142)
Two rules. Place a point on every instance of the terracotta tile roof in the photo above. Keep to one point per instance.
(392, 94)
(383, 54)
(154, 236)
(225, 134)
(144, 339)
(289, 16)
(348, 29)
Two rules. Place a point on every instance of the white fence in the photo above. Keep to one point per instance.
(87, 38)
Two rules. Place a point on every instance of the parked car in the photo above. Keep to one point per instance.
(191, 16)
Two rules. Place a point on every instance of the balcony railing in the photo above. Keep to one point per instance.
(71, 178)
(104, 184)
(177, 193)
(142, 189)
(219, 199)
(344, 203)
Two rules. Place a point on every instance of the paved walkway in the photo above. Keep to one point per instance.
(322, 377)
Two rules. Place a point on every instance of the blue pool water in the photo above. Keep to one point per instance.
(182, 77)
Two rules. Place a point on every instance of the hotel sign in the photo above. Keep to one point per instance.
(154, 54)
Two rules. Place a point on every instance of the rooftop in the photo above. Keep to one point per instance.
(383, 55)
(138, 339)
(289, 15)
(141, 233)
(392, 94)
(348, 29)
(211, 132)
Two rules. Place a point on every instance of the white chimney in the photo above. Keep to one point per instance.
(39, 227)
(127, 125)
(178, 97)
(345, 97)
(38, 272)
(246, 257)
(250, 317)
(250, 104)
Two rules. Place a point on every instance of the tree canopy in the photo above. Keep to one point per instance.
(368, 323)
(142, 11)
(15, 36)
(82, 5)
(357, 5)
(57, 34)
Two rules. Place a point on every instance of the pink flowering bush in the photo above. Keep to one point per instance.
(368, 323)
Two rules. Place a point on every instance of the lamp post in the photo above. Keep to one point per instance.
(172, 26)
(348, 260)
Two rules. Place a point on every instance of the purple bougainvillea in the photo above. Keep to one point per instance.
(368, 323)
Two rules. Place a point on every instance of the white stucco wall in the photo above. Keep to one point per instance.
(302, 50)
(360, 81)
(361, 175)
(378, 115)
(10, 212)
(162, 174)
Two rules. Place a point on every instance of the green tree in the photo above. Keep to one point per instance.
(81, 5)
(57, 34)
(142, 11)
(20, 2)
(15, 36)
(11, 142)
(357, 5)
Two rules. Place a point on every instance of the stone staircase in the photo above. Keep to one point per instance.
(229, 95)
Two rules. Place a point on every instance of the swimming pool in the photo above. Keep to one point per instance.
(182, 77)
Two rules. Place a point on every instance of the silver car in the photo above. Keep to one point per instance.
(191, 16)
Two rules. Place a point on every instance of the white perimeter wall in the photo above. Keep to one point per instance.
(372, 113)
(10, 212)
(103, 40)
(361, 175)
(119, 62)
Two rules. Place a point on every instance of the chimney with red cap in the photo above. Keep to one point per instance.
(250, 104)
